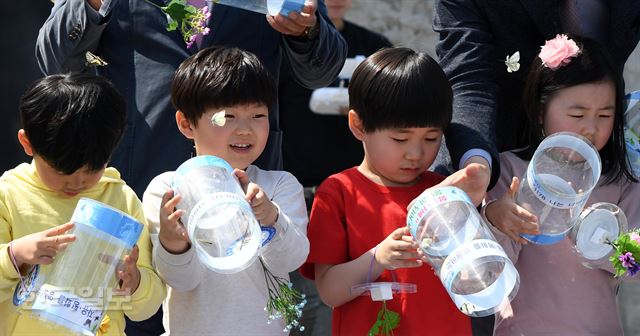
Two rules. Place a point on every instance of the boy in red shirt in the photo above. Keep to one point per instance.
(400, 103)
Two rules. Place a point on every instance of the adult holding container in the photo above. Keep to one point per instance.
(573, 86)
(135, 49)
(139, 55)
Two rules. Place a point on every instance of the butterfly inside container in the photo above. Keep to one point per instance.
(94, 60)
(513, 62)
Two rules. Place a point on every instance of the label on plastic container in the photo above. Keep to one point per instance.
(431, 199)
(551, 198)
(429, 202)
(464, 254)
(64, 308)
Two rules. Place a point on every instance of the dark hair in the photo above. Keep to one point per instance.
(592, 64)
(221, 77)
(73, 120)
(397, 88)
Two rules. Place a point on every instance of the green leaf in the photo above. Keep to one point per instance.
(178, 10)
(387, 320)
(393, 318)
(172, 25)
(375, 329)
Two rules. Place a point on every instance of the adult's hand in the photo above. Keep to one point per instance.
(472, 179)
(296, 23)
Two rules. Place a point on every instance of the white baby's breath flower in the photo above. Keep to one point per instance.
(218, 118)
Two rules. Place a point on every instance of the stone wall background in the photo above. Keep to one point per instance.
(408, 23)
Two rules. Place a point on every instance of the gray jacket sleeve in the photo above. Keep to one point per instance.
(316, 63)
(465, 52)
(70, 31)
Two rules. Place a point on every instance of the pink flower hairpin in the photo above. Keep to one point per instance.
(558, 51)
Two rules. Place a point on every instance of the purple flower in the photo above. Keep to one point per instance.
(627, 260)
(633, 269)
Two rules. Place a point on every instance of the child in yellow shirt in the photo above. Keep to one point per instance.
(71, 124)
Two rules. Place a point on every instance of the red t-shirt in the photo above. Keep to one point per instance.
(350, 215)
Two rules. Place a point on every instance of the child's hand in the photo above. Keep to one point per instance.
(130, 274)
(265, 211)
(398, 250)
(173, 236)
(509, 217)
(42, 247)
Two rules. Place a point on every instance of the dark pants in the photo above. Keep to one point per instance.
(149, 327)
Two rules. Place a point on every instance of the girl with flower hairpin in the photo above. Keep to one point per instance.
(573, 86)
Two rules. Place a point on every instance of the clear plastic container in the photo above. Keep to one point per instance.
(559, 179)
(271, 7)
(78, 286)
(219, 221)
(472, 266)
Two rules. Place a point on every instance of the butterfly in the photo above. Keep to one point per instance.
(219, 118)
(94, 60)
(512, 62)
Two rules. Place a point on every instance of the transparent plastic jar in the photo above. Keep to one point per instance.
(271, 7)
(472, 266)
(218, 219)
(559, 179)
(78, 286)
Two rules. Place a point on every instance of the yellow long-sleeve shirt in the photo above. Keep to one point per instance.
(28, 206)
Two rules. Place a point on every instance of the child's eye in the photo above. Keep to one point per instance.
(606, 116)
(258, 116)
(399, 140)
(229, 116)
(430, 139)
(577, 116)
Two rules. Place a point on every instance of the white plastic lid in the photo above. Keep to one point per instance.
(598, 224)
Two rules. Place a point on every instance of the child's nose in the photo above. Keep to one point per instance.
(589, 130)
(413, 153)
(76, 182)
(243, 127)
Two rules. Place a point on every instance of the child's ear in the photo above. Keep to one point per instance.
(184, 125)
(24, 141)
(355, 125)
